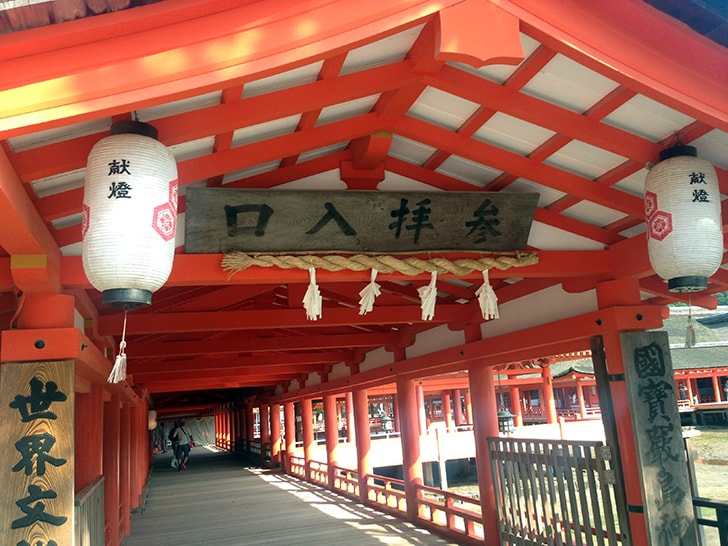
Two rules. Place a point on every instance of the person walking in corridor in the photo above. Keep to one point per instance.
(182, 452)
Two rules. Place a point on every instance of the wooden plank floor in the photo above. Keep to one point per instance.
(219, 500)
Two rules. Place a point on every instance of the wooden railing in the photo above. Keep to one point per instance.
(386, 492)
(555, 492)
(89, 514)
(346, 481)
(721, 516)
(459, 514)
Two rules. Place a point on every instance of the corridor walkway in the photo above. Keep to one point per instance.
(219, 500)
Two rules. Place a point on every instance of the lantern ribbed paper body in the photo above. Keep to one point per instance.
(682, 207)
(129, 214)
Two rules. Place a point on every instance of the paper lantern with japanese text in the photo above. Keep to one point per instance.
(129, 214)
(682, 210)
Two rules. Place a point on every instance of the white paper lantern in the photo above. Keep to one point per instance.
(682, 209)
(129, 214)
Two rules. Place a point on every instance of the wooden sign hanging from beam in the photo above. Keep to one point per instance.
(222, 220)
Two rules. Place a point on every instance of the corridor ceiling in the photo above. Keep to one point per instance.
(568, 99)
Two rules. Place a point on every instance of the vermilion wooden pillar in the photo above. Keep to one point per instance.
(580, 398)
(549, 404)
(289, 422)
(308, 440)
(516, 407)
(249, 426)
(350, 428)
(89, 440)
(125, 468)
(363, 441)
(447, 410)
(612, 293)
(138, 446)
(716, 387)
(264, 430)
(485, 425)
(410, 437)
(468, 407)
(275, 435)
(112, 424)
(457, 404)
(331, 425)
(421, 412)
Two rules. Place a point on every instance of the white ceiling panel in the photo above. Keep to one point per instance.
(584, 159)
(410, 151)
(265, 131)
(634, 183)
(192, 149)
(347, 110)
(50, 136)
(180, 106)
(546, 195)
(284, 80)
(646, 118)
(442, 109)
(469, 171)
(251, 171)
(329, 180)
(545, 237)
(512, 134)
(322, 152)
(713, 147)
(59, 183)
(395, 182)
(566, 83)
(592, 213)
(389, 50)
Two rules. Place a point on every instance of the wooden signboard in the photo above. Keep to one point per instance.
(221, 220)
(666, 494)
(36, 453)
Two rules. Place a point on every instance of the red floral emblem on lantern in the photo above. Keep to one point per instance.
(164, 221)
(85, 220)
(659, 225)
(173, 194)
(650, 203)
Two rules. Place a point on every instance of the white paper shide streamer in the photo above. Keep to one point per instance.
(118, 372)
(368, 294)
(428, 297)
(312, 300)
(487, 299)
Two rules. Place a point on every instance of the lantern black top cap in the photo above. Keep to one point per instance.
(678, 150)
(134, 127)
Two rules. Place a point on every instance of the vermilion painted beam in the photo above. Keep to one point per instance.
(192, 385)
(231, 374)
(261, 362)
(70, 155)
(566, 335)
(284, 318)
(196, 269)
(544, 114)
(519, 165)
(254, 345)
(150, 60)
(634, 44)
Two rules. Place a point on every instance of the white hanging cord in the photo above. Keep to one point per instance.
(487, 299)
(428, 296)
(312, 300)
(690, 330)
(118, 372)
(368, 294)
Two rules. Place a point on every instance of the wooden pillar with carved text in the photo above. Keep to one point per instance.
(37, 452)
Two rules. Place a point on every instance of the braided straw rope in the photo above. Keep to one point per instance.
(238, 261)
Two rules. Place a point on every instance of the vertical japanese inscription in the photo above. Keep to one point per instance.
(658, 439)
(36, 461)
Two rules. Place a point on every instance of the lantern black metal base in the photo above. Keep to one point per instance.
(687, 284)
(126, 297)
